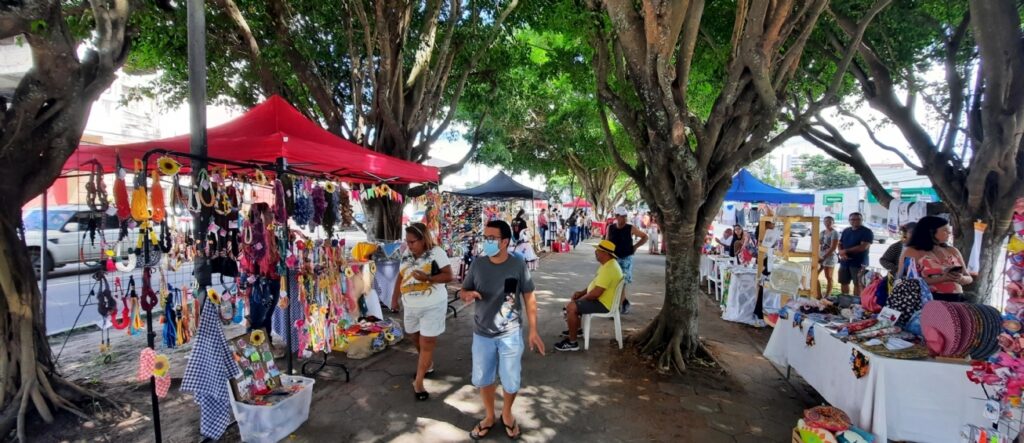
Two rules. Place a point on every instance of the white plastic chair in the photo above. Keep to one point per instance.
(613, 313)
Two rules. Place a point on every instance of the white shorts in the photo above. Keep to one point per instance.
(427, 320)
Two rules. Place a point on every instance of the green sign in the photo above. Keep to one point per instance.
(829, 199)
(910, 195)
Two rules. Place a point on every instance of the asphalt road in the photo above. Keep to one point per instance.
(68, 287)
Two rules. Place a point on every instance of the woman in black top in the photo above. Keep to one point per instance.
(518, 224)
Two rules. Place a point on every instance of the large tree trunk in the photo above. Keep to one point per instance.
(25, 360)
(986, 283)
(384, 217)
(672, 336)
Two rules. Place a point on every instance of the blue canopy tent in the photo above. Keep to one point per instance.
(747, 188)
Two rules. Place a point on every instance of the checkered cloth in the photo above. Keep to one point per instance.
(207, 373)
(296, 307)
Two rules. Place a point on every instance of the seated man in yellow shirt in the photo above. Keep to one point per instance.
(598, 297)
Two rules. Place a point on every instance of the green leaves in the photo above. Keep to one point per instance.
(820, 172)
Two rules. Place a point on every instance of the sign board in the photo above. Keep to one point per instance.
(910, 195)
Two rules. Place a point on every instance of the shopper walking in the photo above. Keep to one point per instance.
(621, 234)
(654, 233)
(500, 285)
(518, 223)
(422, 277)
(542, 226)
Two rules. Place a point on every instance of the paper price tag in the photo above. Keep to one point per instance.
(888, 314)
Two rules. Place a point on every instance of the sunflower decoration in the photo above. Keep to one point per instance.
(168, 166)
(330, 187)
(213, 296)
(373, 267)
(349, 272)
(161, 365)
(257, 337)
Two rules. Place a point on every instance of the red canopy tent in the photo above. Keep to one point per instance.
(269, 131)
(577, 203)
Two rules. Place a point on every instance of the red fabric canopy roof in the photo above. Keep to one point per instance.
(577, 203)
(271, 130)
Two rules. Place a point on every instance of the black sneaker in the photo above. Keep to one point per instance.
(625, 307)
(565, 333)
(566, 345)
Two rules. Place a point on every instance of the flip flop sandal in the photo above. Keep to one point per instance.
(511, 431)
(481, 431)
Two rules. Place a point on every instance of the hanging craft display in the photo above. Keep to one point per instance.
(124, 210)
(95, 190)
(377, 191)
(155, 365)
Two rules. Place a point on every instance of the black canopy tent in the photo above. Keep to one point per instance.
(503, 187)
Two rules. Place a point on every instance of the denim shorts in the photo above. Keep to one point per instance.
(626, 263)
(498, 357)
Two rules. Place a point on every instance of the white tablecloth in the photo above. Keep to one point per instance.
(741, 297)
(706, 265)
(912, 400)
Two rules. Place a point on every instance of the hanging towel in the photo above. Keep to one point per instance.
(297, 314)
(207, 374)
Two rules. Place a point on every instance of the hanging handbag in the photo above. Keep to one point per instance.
(909, 294)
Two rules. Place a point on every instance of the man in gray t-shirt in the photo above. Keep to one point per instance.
(500, 284)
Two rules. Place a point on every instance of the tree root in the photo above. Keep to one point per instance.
(671, 348)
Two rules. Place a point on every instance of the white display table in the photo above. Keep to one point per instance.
(740, 298)
(911, 400)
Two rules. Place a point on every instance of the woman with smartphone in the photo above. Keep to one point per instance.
(940, 264)
(421, 286)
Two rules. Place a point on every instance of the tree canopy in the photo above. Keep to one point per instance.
(820, 172)
(541, 116)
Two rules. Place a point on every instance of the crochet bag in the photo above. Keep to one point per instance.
(909, 294)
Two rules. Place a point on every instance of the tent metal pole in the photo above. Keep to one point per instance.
(42, 254)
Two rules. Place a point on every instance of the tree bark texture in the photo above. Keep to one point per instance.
(685, 163)
(40, 127)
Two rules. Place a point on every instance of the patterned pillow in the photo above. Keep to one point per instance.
(814, 435)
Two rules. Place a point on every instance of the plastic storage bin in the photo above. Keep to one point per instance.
(269, 424)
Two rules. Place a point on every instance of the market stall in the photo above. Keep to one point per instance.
(896, 399)
(492, 198)
(271, 240)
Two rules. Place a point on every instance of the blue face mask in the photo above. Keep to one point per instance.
(491, 247)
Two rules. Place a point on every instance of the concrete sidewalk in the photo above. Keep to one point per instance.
(604, 394)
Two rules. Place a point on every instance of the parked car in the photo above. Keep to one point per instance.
(65, 229)
(881, 232)
(800, 229)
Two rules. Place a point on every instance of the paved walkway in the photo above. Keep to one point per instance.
(604, 394)
(598, 395)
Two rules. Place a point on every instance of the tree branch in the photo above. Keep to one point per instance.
(871, 133)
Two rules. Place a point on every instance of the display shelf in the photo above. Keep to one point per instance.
(786, 254)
